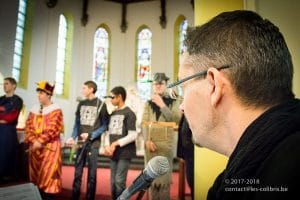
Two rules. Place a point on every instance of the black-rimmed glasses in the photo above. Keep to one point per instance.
(109, 96)
(199, 74)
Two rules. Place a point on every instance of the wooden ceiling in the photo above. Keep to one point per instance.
(129, 1)
(124, 3)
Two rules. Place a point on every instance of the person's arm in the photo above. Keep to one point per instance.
(172, 113)
(145, 118)
(149, 145)
(71, 141)
(99, 131)
(176, 112)
(130, 137)
(167, 113)
(53, 129)
(10, 111)
(104, 118)
(29, 129)
(76, 128)
(106, 138)
(164, 109)
(9, 117)
(107, 149)
(146, 112)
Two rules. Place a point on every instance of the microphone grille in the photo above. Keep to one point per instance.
(157, 166)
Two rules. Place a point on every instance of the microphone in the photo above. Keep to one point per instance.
(155, 168)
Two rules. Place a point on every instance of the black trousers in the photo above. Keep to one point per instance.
(89, 155)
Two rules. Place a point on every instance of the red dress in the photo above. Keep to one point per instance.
(45, 163)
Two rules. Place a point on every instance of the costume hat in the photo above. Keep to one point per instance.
(46, 87)
(160, 77)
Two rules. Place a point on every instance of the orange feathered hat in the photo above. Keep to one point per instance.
(46, 87)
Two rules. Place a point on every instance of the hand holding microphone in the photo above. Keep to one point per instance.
(157, 99)
(155, 168)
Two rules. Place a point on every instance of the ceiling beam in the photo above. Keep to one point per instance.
(84, 16)
(163, 17)
(51, 3)
(124, 23)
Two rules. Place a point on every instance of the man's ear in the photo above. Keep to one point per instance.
(215, 81)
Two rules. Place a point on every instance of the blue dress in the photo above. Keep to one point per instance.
(9, 111)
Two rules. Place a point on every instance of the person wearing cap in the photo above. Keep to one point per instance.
(91, 121)
(10, 107)
(160, 108)
(42, 133)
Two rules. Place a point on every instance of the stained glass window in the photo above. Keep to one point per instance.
(182, 35)
(100, 66)
(144, 52)
(19, 40)
(61, 55)
(181, 29)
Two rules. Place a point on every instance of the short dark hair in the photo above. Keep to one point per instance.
(91, 84)
(11, 80)
(119, 90)
(261, 69)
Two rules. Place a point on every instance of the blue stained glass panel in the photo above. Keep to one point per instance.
(144, 54)
(100, 66)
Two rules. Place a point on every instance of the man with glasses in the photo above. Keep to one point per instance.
(237, 80)
(160, 140)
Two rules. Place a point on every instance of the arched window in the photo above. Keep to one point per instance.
(63, 58)
(22, 43)
(181, 26)
(182, 35)
(143, 60)
(101, 60)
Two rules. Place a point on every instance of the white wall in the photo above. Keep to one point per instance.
(1, 85)
(44, 43)
(284, 14)
(8, 19)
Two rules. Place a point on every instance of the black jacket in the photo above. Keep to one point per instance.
(265, 163)
(185, 146)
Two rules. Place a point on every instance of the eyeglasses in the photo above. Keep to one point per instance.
(199, 74)
(109, 96)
